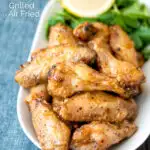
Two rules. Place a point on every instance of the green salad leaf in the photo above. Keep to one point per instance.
(144, 33)
(135, 11)
(146, 53)
(137, 40)
(124, 3)
(132, 16)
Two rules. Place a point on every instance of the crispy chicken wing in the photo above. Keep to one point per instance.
(100, 136)
(36, 71)
(58, 35)
(38, 92)
(95, 106)
(66, 93)
(52, 133)
(126, 73)
(61, 34)
(85, 31)
(64, 80)
(122, 45)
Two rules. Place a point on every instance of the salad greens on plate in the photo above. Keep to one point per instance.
(131, 15)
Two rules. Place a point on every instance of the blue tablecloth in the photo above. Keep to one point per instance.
(17, 28)
(16, 34)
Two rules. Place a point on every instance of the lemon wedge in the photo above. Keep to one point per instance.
(86, 8)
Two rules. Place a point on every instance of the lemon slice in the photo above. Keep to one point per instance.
(87, 8)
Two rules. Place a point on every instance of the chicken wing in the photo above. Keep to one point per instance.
(79, 93)
(36, 71)
(95, 106)
(52, 133)
(64, 80)
(122, 45)
(58, 35)
(100, 136)
(126, 73)
(85, 31)
(61, 34)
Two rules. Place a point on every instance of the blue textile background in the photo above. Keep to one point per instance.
(16, 35)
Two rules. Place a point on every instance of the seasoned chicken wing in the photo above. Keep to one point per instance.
(122, 45)
(52, 133)
(85, 31)
(82, 87)
(95, 106)
(58, 35)
(126, 73)
(38, 92)
(36, 71)
(64, 80)
(61, 34)
(100, 136)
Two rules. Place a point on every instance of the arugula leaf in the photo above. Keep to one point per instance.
(135, 11)
(47, 30)
(137, 40)
(119, 20)
(131, 22)
(107, 17)
(144, 33)
(55, 20)
(125, 3)
(146, 53)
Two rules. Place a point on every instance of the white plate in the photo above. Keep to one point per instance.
(143, 101)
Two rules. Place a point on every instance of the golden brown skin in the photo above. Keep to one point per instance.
(95, 106)
(101, 136)
(36, 52)
(124, 72)
(58, 35)
(127, 74)
(61, 34)
(122, 45)
(67, 79)
(36, 71)
(85, 31)
(51, 132)
(38, 92)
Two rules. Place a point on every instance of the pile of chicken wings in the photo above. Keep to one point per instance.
(82, 87)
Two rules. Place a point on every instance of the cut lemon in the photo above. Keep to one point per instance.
(86, 8)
